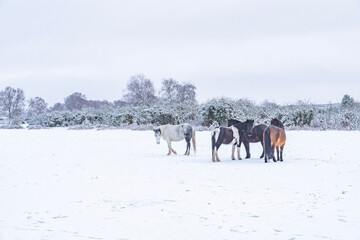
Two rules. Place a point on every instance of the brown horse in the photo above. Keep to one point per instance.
(274, 137)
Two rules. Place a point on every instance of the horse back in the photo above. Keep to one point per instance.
(226, 135)
(277, 135)
(174, 132)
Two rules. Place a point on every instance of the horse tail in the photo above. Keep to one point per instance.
(267, 142)
(213, 140)
(193, 138)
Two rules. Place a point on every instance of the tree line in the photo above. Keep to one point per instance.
(139, 90)
(174, 103)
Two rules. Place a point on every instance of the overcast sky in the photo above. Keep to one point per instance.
(277, 50)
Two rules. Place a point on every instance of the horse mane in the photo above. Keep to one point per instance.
(243, 125)
(250, 120)
(162, 129)
(276, 122)
(232, 122)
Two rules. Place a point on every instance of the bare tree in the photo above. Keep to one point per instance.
(119, 103)
(187, 93)
(169, 90)
(139, 89)
(37, 106)
(174, 92)
(12, 102)
(75, 101)
(98, 104)
(57, 107)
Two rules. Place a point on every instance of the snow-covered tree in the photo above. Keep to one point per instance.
(169, 90)
(187, 93)
(75, 101)
(347, 101)
(119, 103)
(174, 92)
(37, 106)
(97, 103)
(140, 89)
(12, 102)
(58, 107)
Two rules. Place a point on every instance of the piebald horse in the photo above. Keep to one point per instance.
(176, 133)
(274, 137)
(224, 135)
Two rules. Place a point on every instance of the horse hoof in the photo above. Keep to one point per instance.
(247, 157)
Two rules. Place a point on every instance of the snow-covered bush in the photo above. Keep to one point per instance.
(219, 110)
(304, 115)
(300, 114)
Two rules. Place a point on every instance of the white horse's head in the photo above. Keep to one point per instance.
(157, 132)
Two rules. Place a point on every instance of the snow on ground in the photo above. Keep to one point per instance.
(118, 184)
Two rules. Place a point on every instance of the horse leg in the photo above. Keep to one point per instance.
(170, 148)
(273, 153)
(187, 138)
(262, 155)
(277, 152)
(233, 151)
(214, 155)
(216, 152)
(247, 148)
(266, 157)
(281, 153)
(238, 152)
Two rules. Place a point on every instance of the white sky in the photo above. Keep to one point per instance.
(276, 50)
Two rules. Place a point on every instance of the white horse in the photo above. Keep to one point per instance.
(176, 133)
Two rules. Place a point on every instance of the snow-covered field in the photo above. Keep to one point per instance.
(118, 184)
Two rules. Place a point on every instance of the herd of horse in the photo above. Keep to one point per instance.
(271, 137)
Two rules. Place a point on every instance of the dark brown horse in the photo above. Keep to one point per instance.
(224, 135)
(256, 136)
(274, 137)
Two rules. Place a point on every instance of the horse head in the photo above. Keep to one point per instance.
(277, 122)
(157, 132)
(249, 126)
